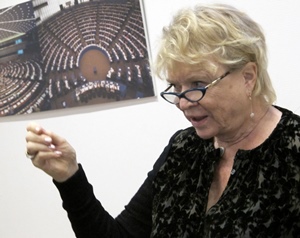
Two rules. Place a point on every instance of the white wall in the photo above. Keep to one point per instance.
(118, 143)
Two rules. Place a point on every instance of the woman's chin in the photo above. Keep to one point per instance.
(204, 133)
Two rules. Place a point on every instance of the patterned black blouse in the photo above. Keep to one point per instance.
(262, 198)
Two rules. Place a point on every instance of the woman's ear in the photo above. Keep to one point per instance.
(250, 74)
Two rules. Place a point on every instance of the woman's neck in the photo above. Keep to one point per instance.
(258, 130)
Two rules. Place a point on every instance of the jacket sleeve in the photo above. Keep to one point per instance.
(90, 220)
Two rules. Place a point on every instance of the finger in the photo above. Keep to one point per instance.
(55, 139)
(44, 160)
(43, 139)
(36, 133)
(35, 128)
(33, 148)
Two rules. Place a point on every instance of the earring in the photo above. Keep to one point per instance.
(252, 113)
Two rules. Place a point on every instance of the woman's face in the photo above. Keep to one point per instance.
(225, 108)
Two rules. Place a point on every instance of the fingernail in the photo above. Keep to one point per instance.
(51, 146)
(58, 152)
(37, 129)
(48, 139)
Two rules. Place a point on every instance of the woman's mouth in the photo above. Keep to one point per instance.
(197, 121)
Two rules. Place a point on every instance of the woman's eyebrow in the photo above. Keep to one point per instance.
(201, 78)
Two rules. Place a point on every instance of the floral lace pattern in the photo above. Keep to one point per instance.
(262, 197)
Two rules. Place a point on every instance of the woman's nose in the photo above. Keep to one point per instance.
(184, 104)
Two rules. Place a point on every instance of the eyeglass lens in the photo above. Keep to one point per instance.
(193, 95)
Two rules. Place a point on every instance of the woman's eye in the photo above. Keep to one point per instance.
(199, 84)
(176, 88)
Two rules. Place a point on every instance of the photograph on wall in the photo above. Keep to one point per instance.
(72, 53)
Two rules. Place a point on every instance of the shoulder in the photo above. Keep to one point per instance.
(183, 134)
(288, 117)
(289, 123)
(175, 139)
(287, 132)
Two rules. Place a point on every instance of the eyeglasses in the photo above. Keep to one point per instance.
(192, 95)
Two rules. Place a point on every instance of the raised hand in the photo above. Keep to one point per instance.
(50, 152)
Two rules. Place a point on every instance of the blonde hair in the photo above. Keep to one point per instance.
(215, 33)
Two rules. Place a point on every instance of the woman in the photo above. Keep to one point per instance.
(234, 173)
